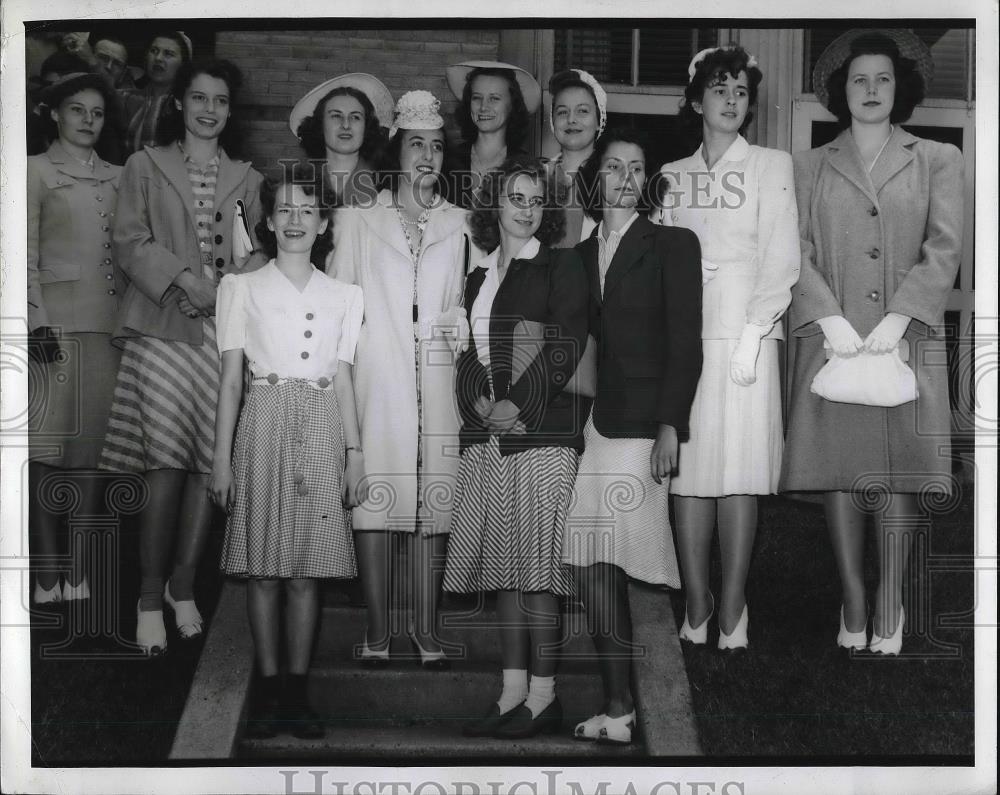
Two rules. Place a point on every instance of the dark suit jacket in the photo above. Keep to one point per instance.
(648, 328)
(552, 289)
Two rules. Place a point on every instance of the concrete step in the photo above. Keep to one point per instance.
(471, 634)
(386, 744)
(404, 692)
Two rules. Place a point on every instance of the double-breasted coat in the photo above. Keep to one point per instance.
(889, 241)
(370, 250)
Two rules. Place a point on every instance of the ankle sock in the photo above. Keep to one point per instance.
(541, 693)
(515, 689)
(182, 583)
(151, 593)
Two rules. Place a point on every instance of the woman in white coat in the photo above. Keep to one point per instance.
(408, 253)
(740, 201)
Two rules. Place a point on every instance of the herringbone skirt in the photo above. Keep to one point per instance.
(288, 518)
(507, 525)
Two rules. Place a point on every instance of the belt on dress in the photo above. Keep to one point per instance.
(274, 380)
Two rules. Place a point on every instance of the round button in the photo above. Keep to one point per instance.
(201, 224)
(109, 276)
(873, 212)
(305, 354)
(99, 198)
(103, 214)
(201, 203)
(874, 295)
(323, 382)
(111, 292)
(107, 261)
(272, 378)
(308, 334)
(220, 263)
(873, 253)
(105, 228)
(303, 489)
(218, 239)
(218, 216)
(309, 315)
(299, 478)
(107, 245)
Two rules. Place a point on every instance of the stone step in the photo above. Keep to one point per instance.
(387, 743)
(404, 691)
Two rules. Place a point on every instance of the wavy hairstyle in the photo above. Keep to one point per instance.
(171, 125)
(310, 130)
(313, 183)
(588, 182)
(54, 95)
(519, 120)
(716, 67)
(484, 217)
(910, 86)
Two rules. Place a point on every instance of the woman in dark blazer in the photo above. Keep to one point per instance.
(645, 288)
(521, 435)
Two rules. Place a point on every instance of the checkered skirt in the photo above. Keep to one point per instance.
(288, 519)
(507, 525)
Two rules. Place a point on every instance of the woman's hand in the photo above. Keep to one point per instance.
(503, 417)
(887, 334)
(200, 293)
(843, 339)
(186, 307)
(743, 362)
(483, 406)
(709, 270)
(222, 487)
(663, 457)
(355, 488)
(454, 327)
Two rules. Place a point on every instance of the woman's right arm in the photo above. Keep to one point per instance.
(231, 339)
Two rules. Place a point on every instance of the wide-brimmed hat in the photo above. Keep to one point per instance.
(367, 84)
(71, 83)
(458, 73)
(838, 51)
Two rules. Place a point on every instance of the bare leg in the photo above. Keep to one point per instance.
(427, 557)
(846, 523)
(157, 529)
(542, 616)
(694, 523)
(263, 597)
(301, 615)
(43, 527)
(894, 529)
(737, 530)
(194, 522)
(373, 568)
(603, 588)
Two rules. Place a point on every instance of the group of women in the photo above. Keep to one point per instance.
(514, 380)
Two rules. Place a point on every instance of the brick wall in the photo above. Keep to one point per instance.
(280, 66)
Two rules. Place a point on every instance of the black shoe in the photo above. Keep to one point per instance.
(300, 720)
(489, 723)
(265, 710)
(521, 724)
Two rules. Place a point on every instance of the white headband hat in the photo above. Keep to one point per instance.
(600, 95)
(417, 110)
(693, 66)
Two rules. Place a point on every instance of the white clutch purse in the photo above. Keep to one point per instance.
(866, 379)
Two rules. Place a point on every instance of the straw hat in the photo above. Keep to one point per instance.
(459, 72)
(417, 110)
(369, 85)
(839, 50)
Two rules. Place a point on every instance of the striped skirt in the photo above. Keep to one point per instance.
(507, 525)
(163, 412)
(288, 518)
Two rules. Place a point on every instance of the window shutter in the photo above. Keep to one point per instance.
(605, 53)
(664, 53)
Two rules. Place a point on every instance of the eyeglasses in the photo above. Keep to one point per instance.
(522, 203)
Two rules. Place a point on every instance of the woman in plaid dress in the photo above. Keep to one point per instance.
(296, 462)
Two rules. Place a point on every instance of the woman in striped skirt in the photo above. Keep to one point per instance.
(521, 435)
(174, 239)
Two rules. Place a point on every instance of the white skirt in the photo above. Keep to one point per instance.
(619, 513)
(736, 436)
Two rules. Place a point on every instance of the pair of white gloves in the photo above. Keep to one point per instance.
(845, 341)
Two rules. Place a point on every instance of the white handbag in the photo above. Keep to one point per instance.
(867, 379)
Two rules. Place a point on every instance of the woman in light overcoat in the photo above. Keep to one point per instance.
(880, 216)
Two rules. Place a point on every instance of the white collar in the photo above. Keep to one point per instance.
(621, 232)
(736, 152)
(528, 251)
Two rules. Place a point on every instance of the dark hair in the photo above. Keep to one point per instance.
(98, 37)
(313, 183)
(64, 63)
(390, 169)
(54, 95)
(588, 188)
(910, 86)
(171, 125)
(715, 67)
(176, 37)
(568, 78)
(484, 217)
(518, 122)
(310, 130)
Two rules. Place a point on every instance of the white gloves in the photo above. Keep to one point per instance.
(843, 339)
(743, 362)
(709, 270)
(887, 334)
(454, 327)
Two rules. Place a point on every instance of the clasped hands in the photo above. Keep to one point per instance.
(500, 417)
(845, 341)
(197, 296)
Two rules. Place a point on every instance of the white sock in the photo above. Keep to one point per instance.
(541, 693)
(515, 689)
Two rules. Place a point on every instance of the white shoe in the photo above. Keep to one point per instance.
(617, 731)
(590, 729)
(892, 644)
(47, 596)
(737, 639)
(186, 616)
(696, 635)
(852, 640)
(72, 593)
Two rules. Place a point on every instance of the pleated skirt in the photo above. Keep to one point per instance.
(163, 412)
(288, 518)
(736, 438)
(618, 514)
(508, 520)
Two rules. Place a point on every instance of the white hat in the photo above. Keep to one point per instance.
(458, 73)
(417, 110)
(369, 85)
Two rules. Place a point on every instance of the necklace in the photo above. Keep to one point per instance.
(881, 149)
(420, 224)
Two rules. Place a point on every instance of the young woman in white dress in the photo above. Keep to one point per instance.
(740, 201)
